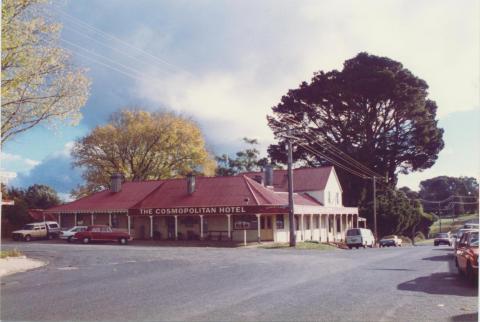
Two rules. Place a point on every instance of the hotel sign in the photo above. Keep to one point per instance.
(217, 210)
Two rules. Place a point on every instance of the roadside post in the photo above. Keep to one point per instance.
(291, 216)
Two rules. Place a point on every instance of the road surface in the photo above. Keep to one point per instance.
(125, 283)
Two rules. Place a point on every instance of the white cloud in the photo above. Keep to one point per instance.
(17, 163)
(276, 47)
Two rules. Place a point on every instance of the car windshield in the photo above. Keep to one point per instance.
(389, 237)
(28, 227)
(353, 232)
(442, 235)
(474, 239)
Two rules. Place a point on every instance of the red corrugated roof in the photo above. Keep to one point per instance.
(304, 179)
(131, 193)
(209, 191)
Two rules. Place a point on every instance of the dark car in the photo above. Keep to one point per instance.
(442, 239)
(102, 233)
(466, 255)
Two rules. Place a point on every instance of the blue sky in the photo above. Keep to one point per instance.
(226, 63)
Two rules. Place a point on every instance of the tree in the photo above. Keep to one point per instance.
(35, 196)
(141, 146)
(246, 160)
(396, 215)
(375, 110)
(459, 194)
(39, 82)
(41, 197)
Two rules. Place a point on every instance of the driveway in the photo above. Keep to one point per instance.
(124, 283)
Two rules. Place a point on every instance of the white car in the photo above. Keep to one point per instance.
(68, 234)
(360, 237)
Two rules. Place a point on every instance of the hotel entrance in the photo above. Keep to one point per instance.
(266, 228)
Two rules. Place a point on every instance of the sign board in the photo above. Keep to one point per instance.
(216, 210)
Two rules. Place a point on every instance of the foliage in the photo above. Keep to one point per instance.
(396, 214)
(10, 253)
(246, 160)
(34, 197)
(443, 187)
(141, 146)
(375, 110)
(39, 83)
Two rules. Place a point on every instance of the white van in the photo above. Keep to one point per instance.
(360, 237)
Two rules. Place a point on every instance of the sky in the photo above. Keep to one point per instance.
(226, 63)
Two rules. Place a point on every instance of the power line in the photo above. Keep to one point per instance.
(340, 154)
(101, 56)
(82, 24)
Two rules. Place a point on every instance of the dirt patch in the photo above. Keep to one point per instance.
(12, 265)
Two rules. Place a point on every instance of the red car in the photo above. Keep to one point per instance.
(466, 255)
(102, 233)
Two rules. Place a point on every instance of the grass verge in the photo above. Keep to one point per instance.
(451, 224)
(300, 245)
(10, 253)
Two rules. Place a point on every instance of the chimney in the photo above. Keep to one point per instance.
(190, 183)
(259, 179)
(268, 173)
(116, 182)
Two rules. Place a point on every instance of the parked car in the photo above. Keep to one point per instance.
(390, 240)
(359, 237)
(471, 225)
(460, 233)
(101, 233)
(68, 234)
(466, 255)
(37, 230)
(442, 239)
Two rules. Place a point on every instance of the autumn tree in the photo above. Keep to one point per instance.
(39, 82)
(374, 110)
(141, 146)
(244, 161)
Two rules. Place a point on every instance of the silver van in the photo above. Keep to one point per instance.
(359, 237)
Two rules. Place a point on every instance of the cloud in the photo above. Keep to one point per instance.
(55, 171)
(242, 69)
(17, 163)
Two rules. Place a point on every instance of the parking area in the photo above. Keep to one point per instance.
(139, 282)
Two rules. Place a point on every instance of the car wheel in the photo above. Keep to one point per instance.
(86, 240)
(456, 262)
(69, 239)
(122, 241)
(27, 238)
(356, 247)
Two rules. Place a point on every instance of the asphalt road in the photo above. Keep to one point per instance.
(138, 283)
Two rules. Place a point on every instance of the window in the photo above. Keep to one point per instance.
(317, 222)
(114, 221)
(329, 198)
(280, 222)
(307, 224)
(338, 224)
(337, 198)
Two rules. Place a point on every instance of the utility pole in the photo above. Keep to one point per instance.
(375, 208)
(291, 214)
(439, 217)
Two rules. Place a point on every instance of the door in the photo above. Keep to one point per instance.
(170, 227)
(266, 227)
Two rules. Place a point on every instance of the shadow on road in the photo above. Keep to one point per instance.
(440, 283)
(391, 269)
(465, 317)
(440, 258)
(447, 283)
